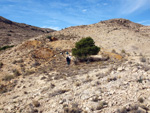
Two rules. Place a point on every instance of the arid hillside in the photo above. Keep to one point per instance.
(35, 78)
(115, 34)
(12, 33)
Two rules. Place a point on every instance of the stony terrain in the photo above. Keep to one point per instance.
(35, 78)
(12, 33)
(107, 87)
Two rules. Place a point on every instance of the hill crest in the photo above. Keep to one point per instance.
(122, 22)
(13, 33)
(113, 34)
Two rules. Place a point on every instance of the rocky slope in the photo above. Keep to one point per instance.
(98, 87)
(35, 78)
(114, 34)
(12, 33)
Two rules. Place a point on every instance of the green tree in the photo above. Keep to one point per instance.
(84, 48)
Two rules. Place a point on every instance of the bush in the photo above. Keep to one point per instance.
(101, 105)
(84, 48)
(1, 64)
(141, 100)
(8, 77)
(123, 51)
(143, 59)
(16, 72)
(3, 88)
(6, 47)
(29, 72)
(49, 37)
(113, 51)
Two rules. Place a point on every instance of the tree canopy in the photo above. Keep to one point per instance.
(84, 48)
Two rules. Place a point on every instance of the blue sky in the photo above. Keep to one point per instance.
(59, 14)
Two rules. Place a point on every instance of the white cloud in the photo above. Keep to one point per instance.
(105, 4)
(84, 10)
(144, 22)
(131, 6)
(52, 27)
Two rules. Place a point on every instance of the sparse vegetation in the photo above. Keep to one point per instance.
(8, 77)
(29, 72)
(113, 51)
(141, 100)
(111, 79)
(52, 85)
(101, 105)
(100, 86)
(36, 103)
(6, 47)
(140, 80)
(59, 92)
(8, 34)
(49, 37)
(146, 67)
(143, 59)
(3, 88)
(36, 64)
(95, 99)
(84, 48)
(123, 51)
(134, 109)
(1, 65)
(123, 110)
(87, 80)
(16, 72)
(77, 84)
(18, 61)
(72, 109)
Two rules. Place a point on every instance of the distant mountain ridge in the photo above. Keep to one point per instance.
(12, 33)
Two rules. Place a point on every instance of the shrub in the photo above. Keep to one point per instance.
(49, 37)
(36, 103)
(6, 47)
(72, 109)
(84, 48)
(141, 100)
(113, 51)
(140, 80)
(111, 79)
(101, 105)
(8, 77)
(143, 59)
(3, 88)
(16, 72)
(1, 64)
(134, 109)
(29, 72)
(123, 51)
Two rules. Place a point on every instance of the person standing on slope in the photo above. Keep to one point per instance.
(68, 58)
